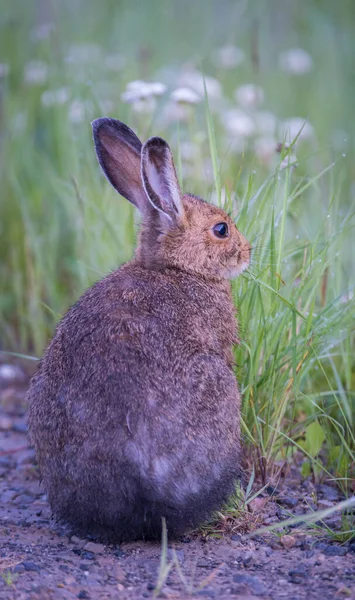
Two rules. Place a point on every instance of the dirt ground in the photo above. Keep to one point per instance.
(40, 561)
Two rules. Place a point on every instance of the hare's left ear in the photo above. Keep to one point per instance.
(160, 181)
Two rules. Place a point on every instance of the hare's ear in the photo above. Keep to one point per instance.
(118, 151)
(160, 181)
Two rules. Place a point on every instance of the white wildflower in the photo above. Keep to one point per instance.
(4, 70)
(296, 61)
(237, 122)
(77, 111)
(265, 149)
(188, 151)
(115, 62)
(42, 32)
(195, 80)
(55, 97)
(145, 106)
(228, 57)
(185, 95)
(106, 106)
(289, 161)
(176, 111)
(296, 126)
(138, 90)
(36, 72)
(83, 53)
(249, 95)
(265, 122)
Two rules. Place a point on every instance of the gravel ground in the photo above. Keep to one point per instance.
(39, 560)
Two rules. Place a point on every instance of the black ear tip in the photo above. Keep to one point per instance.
(97, 124)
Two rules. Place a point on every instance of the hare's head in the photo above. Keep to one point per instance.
(180, 231)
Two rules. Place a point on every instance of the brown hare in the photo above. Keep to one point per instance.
(134, 410)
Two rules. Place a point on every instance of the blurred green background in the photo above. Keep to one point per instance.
(274, 142)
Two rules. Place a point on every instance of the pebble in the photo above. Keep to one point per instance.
(253, 582)
(19, 568)
(10, 373)
(309, 553)
(23, 499)
(20, 427)
(287, 541)
(94, 547)
(83, 595)
(76, 540)
(247, 558)
(268, 550)
(31, 566)
(87, 555)
(7, 496)
(335, 551)
(180, 554)
(288, 501)
(329, 492)
(298, 574)
(5, 424)
(118, 573)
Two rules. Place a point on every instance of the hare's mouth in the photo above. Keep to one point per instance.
(233, 272)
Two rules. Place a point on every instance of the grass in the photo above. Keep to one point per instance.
(62, 227)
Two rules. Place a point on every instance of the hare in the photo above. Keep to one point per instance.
(134, 409)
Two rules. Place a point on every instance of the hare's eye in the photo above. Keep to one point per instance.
(220, 230)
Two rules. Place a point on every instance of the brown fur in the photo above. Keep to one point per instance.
(134, 411)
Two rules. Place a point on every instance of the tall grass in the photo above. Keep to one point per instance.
(62, 227)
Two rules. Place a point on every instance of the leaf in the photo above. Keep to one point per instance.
(315, 437)
(306, 469)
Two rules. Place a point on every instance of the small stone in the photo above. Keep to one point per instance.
(236, 538)
(180, 554)
(20, 427)
(258, 504)
(321, 546)
(94, 547)
(83, 595)
(77, 541)
(298, 574)
(329, 492)
(325, 504)
(289, 501)
(5, 424)
(150, 586)
(118, 573)
(309, 553)
(288, 541)
(30, 566)
(23, 499)
(247, 559)
(19, 568)
(272, 491)
(10, 373)
(254, 583)
(335, 551)
(7, 496)
(268, 550)
(87, 555)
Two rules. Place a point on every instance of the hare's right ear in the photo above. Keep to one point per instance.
(118, 151)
